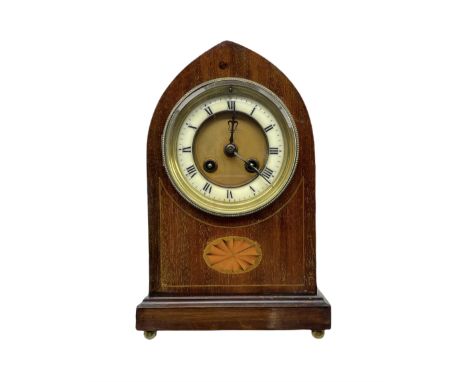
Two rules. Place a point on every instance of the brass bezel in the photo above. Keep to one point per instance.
(198, 95)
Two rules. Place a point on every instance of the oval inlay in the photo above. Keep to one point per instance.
(232, 254)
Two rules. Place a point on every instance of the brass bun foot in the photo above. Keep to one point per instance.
(318, 333)
(149, 335)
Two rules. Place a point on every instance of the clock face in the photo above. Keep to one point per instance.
(230, 147)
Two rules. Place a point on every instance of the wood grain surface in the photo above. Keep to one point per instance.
(234, 312)
(285, 230)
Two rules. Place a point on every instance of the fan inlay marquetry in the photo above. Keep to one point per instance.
(232, 254)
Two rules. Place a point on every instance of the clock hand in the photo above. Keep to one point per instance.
(251, 166)
(232, 123)
(231, 147)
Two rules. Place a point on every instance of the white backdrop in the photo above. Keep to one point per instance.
(386, 86)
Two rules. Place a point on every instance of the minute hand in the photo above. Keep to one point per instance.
(252, 166)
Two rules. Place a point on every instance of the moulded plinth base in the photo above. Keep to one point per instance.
(279, 312)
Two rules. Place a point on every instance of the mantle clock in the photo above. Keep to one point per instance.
(231, 201)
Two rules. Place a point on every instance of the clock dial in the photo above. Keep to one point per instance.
(230, 147)
(231, 180)
(211, 139)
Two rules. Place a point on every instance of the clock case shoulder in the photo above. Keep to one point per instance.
(177, 228)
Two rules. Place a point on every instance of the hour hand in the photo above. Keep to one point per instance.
(232, 123)
(231, 148)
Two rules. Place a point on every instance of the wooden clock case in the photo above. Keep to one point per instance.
(186, 294)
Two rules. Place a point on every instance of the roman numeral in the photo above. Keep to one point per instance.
(231, 105)
(207, 187)
(253, 110)
(208, 110)
(268, 128)
(253, 189)
(191, 171)
(274, 150)
(191, 127)
(187, 149)
(229, 194)
(267, 173)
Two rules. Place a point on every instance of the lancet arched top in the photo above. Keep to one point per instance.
(229, 59)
